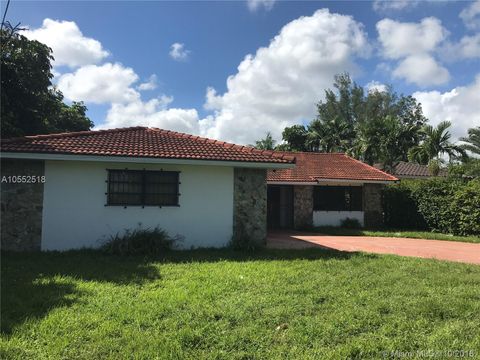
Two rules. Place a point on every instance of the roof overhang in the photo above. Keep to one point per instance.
(332, 181)
(143, 160)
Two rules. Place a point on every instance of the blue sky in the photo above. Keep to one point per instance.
(216, 37)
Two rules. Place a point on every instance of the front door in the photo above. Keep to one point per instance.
(280, 206)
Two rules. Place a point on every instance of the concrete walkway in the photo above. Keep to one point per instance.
(435, 249)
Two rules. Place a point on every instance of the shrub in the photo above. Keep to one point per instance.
(349, 223)
(448, 205)
(400, 207)
(140, 241)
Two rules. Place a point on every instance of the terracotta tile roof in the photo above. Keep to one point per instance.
(142, 142)
(312, 167)
(412, 170)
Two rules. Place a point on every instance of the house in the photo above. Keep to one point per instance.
(410, 170)
(323, 189)
(74, 190)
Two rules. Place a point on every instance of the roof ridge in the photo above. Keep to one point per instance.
(371, 167)
(71, 134)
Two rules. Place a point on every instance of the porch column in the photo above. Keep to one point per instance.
(302, 206)
(372, 205)
(250, 205)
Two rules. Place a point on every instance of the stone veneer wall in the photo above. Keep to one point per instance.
(250, 205)
(302, 206)
(21, 206)
(372, 205)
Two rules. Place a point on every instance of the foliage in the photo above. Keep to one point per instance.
(449, 205)
(349, 223)
(470, 167)
(373, 126)
(140, 241)
(29, 103)
(295, 137)
(435, 144)
(268, 143)
(472, 141)
(223, 304)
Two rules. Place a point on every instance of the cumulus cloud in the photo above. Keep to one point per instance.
(467, 48)
(254, 5)
(108, 83)
(373, 86)
(403, 39)
(279, 85)
(70, 47)
(151, 84)
(422, 70)
(152, 113)
(459, 105)
(390, 5)
(471, 15)
(414, 44)
(178, 52)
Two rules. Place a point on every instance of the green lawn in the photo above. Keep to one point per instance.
(206, 304)
(331, 230)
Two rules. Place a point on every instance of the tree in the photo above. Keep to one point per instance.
(373, 126)
(268, 143)
(29, 103)
(472, 141)
(435, 144)
(295, 137)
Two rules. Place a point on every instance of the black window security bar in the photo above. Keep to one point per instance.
(142, 188)
(338, 198)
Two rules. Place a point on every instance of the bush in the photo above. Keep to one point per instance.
(140, 241)
(447, 205)
(348, 223)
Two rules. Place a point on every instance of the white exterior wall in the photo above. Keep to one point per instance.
(75, 215)
(333, 218)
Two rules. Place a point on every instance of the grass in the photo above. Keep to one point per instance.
(332, 230)
(218, 304)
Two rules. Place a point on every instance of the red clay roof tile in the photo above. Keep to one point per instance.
(313, 167)
(140, 142)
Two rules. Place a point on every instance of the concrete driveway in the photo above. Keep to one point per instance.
(435, 249)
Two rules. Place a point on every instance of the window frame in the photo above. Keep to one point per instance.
(347, 206)
(143, 192)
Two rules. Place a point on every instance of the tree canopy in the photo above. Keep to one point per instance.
(29, 103)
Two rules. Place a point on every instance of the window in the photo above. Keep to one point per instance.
(142, 188)
(337, 198)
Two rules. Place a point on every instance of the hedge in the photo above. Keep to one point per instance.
(447, 205)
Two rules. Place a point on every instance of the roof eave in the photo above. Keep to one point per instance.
(144, 160)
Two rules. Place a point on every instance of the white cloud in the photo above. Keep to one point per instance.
(399, 39)
(151, 84)
(152, 113)
(280, 84)
(391, 5)
(422, 70)
(471, 15)
(69, 45)
(373, 86)
(414, 44)
(178, 52)
(254, 5)
(467, 48)
(460, 106)
(108, 83)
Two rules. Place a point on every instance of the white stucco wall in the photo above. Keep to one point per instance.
(75, 215)
(333, 218)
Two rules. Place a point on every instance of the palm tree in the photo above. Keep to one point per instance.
(435, 144)
(266, 144)
(328, 135)
(472, 141)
